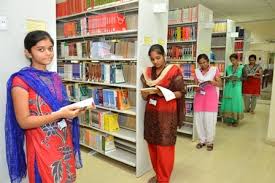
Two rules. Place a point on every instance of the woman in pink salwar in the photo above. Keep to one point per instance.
(206, 101)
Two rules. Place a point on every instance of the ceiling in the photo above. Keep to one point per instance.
(237, 10)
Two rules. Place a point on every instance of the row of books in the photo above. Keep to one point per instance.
(98, 49)
(218, 41)
(190, 93)
(183, 15)
(217, 54)
(107, 120)
(240, 31)
(238, 45)
(182, 33)
(188, 108)
(240, 56)
(184, 52)
(115, 49)
(107, 97)
(108, 73)
(100, 119)
(70, 7)
(102, 142)
(95, 24)
(188, 70)
(220, 66)
(220, 27)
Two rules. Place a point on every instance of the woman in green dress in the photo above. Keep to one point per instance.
(232, 103)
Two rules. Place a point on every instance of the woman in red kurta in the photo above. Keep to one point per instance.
(252, 84)
(36, 101)
(162, 117)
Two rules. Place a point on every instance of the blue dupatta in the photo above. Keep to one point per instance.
(15, 135)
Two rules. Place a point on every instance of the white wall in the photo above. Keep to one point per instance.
(11, 51)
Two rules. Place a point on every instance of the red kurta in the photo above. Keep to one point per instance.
(161, 120)
(251, 85)
(50, 147)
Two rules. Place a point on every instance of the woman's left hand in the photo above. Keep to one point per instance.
(214, 83)
(159, 93)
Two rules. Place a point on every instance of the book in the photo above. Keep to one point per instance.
(85, 104)
(168, 94)
(151, 90)
(200, 85)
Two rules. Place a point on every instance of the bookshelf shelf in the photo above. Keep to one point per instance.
(186, 130)
(122, 85)
(186, 122)
(177, 42)
(132, 33)
(218, 34)
(179, 60)
(125, 143)
(122, 133)
(118, 154)
(189, 115)
(218, 61)
(98, 59)
(131, 111)
(218, 47)
(114, 5)
(182, 24)
(68, 17)
(189, 79)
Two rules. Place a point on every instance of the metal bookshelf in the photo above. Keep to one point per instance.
(143, 8)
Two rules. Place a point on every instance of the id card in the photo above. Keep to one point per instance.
(153, 102)
(62, 124)
(202, 92)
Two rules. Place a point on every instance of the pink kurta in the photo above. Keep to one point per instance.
(209, 101)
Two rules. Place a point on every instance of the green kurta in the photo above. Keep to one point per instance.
(232, 102)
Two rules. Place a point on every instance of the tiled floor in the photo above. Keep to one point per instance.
(240, 156)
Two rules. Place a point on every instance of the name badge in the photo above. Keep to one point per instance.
(153, 102)
(202, 92)
(62, 124)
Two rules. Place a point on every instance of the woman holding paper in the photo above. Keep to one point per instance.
(206, 101)
(251, 84)
(34, 100)
(163, 114)
(232, 105)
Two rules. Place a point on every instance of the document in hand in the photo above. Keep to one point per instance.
(85, 104)
(168, 94)
(200, 85)
(151, 90)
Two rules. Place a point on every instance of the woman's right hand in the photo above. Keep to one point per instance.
(70, 112)
(144, 94)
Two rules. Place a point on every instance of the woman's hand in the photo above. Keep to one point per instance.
(144, 95)
(159, 93)
(70, 112)
(214, 83)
